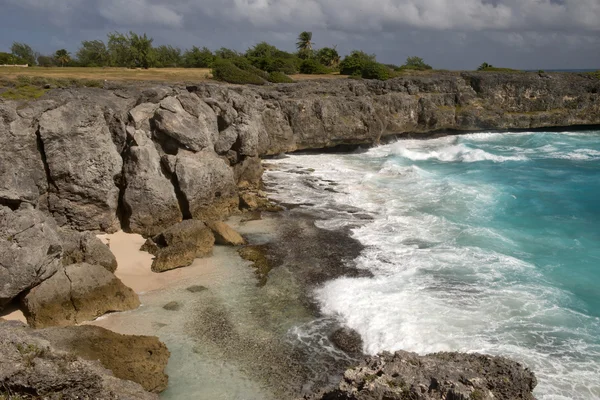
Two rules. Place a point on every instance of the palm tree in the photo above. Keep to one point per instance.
(304, 42)
(63, 57)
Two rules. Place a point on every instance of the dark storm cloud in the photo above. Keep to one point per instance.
(449, 33)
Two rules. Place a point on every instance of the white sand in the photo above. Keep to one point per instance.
(134, 265)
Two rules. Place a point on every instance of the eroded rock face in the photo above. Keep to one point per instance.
(85, 247)
(347, 340)
(22, 175)
(30, 365)
(206, 184)
(83, 165)
(77, 293)
(179, 245)
(30, 251)
(141, 359)
(149, 199)
(438, 376)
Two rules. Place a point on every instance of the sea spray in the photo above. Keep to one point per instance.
(485, 242)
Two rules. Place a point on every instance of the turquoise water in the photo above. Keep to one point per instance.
(486, 242)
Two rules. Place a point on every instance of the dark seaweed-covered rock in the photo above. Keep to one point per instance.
(438, 376)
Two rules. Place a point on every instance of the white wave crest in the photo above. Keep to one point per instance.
(450, 153)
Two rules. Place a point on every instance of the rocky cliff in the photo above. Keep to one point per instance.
(143, 159)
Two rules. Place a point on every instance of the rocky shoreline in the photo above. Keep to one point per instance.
(172, 162)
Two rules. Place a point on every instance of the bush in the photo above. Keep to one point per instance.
(311, 66)
(374, 70)
(245, 65)
(415, 64)
(227, 71)
(279, 77)
(354, 63)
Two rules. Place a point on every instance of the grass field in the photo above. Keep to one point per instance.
(125, 74)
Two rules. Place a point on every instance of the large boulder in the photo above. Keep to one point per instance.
(30, 251)
(141, 359)
(191, 132)
(22, 175)
(150, 201)
(224, 234)
(438, 376)
(83, 166)
(85, 247)
(179, 245)
(31, 367)
(77, 293)
(206, 184)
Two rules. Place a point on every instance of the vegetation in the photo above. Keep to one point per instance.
(30, 88)
(227, 71)
(490, 68)
(259, 64)
(415, 64)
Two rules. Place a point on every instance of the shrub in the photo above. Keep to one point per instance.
(279, 77)
(227, 71)
(311, 66)
(245, 64)
(414, 64)
(374, 70)
(355, 62)
(198, 58)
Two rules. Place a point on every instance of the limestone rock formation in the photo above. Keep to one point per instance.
(206, 184)
(224, 234)
(141, 359)
(150, 202)
(30, 250)
(85, 247)
(83, 165)
(179, 245)
(438, 376)
(77, 293)
(22, 175)
(30, 366)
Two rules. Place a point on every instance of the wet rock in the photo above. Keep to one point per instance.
(197, 289)
(438, 376)
(141, 359)
(257, 254)
(179, 245)
(248, 173)
(30, 251)
(85, 247)
(77, 293)
(225, 235)
(30, 366)
(347, 340)
(172, 306)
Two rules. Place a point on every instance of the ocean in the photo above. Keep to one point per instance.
(486, 242)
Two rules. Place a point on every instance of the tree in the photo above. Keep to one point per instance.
(142, 52)
(304, 42)
(62, 56)
(168, 56)
(46, 61)
(485, 66)
(354, 63)
(226, 54)
(416, 63)
(119, 49)
(328, 56)
(198, 58)
(24, 52)
(93, 53)
(10, 59)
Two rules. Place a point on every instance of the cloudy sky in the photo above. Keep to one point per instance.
(451, 34)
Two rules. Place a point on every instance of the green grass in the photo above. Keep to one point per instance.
(24, 87)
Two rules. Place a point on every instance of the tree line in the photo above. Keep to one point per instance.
(132, 50)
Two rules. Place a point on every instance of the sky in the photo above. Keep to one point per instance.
(448, 34)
